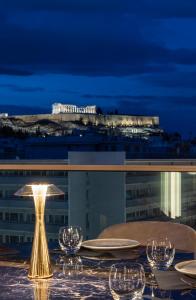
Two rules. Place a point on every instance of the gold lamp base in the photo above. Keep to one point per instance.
(40, 266)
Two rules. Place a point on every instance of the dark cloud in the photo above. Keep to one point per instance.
(82, 44)
(67, 91)
(23, 89)
(22, 109)
(153, 8)
(80, 52)
(166, 8)
(155, 104)
(182, 80)
(184, 56)
(184, 101)
(130, 101)
(118, 97)
(14, 72)
(69, 5)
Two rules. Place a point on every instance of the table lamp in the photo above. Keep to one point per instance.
(40, 266)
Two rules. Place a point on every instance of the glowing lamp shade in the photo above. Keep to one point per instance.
(40, 266)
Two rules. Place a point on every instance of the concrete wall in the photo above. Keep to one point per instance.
(96, 199)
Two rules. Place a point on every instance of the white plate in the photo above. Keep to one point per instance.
(187, 268)
(110, 244)
(103, 258)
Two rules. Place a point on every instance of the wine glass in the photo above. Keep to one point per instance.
(160, 253)
(127, 280)
(70, 239)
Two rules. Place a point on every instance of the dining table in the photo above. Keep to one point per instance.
(85, 275)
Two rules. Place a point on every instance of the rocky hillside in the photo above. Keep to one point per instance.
(41, 127)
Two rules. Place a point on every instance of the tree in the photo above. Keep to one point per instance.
(99, 110)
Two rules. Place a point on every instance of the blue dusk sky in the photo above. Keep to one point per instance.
(135, 56)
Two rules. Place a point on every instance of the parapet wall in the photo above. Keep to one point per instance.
(107, 120)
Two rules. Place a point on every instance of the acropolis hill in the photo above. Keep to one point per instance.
(92, 118)
(66, 119)
(105, 120)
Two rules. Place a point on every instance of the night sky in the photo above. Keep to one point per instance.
(136, 56)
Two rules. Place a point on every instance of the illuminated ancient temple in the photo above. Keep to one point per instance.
(58, 108)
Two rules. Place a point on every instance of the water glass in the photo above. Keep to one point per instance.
(160, 253)
(70, 239)
(127, 280)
